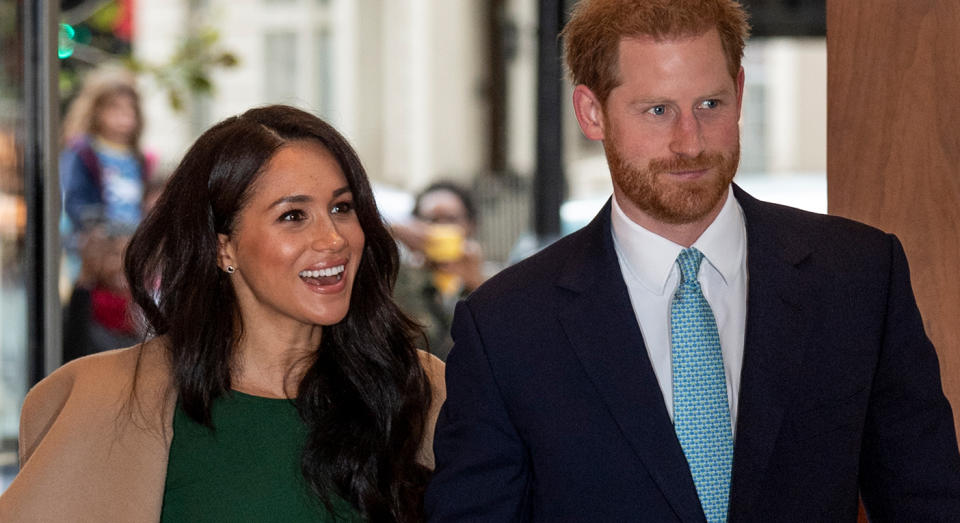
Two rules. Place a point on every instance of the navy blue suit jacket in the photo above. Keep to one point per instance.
(553, 412)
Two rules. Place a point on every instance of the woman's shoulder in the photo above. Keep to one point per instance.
(85, 425)
(101, 370)
(434, 368)
(90, 386)
(104, 370)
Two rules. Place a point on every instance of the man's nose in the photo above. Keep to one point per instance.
(687, 137)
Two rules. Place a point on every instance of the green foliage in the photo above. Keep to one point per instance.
(188, 71)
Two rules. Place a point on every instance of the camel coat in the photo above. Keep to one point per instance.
(93, 449)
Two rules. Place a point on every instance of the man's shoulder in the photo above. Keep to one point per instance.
(531, 277)
(834, 247)
(790, 223)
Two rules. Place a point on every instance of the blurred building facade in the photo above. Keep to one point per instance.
(409, 82)
(403, 80)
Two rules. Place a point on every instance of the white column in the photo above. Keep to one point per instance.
(419, 168)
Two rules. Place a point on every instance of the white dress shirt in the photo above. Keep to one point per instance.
(648, 264)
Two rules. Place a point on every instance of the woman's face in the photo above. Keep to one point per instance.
(296, 244)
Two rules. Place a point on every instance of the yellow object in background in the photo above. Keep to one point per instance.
(444, 243)
(447, 284)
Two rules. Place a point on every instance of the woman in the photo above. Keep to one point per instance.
(282, 384)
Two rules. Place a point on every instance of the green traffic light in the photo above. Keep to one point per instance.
(65, 41)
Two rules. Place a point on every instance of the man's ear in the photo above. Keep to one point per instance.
(740, 79)
(225, 252)
(589, 112)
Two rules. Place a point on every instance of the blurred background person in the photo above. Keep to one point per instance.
(155, 187)
(444, 262)
(103, 170)
(104, 178)
(99, 315)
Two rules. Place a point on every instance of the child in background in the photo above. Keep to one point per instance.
(104, 177)
(103, 171)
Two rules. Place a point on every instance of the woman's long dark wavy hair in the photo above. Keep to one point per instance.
(365, 397)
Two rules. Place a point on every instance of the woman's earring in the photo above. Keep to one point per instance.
(231, 269)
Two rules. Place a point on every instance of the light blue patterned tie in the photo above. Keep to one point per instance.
(701, 414)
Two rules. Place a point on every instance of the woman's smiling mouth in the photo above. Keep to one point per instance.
(324, 277)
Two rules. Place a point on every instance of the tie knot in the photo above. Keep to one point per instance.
(689, 261)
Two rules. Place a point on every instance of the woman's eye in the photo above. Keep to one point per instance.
(342, 207)
(295, 215)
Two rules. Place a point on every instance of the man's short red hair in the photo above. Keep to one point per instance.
(591, 39)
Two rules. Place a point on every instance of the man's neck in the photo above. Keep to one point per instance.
(684, 234)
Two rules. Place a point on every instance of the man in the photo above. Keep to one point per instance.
(693, 354)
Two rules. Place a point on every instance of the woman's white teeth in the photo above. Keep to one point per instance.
(330, 271)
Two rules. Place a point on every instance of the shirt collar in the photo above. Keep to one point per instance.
(650, 257)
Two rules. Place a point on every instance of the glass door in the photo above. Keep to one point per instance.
(14, 368)
(29, 205)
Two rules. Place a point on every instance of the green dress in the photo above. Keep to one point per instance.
(247, 469)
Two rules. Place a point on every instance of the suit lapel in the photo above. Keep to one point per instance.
(601, 326)
(773, 346)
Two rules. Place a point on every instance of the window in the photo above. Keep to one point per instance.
(14, 366)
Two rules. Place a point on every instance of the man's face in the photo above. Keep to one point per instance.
(670, 129)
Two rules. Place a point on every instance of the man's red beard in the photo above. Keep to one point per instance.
(674, 201)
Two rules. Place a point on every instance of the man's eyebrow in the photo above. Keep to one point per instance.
(719, 92)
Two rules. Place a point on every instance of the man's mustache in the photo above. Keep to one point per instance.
(699, 162)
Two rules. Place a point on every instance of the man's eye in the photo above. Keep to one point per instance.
(658, 110)
(710, 104)
(342, 207)
(292, 216)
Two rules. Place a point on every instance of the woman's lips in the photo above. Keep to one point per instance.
(335, 270)
(327, 280)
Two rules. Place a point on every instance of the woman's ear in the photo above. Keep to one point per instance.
(226, 258)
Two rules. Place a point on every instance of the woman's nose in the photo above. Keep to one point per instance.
(328, 238)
